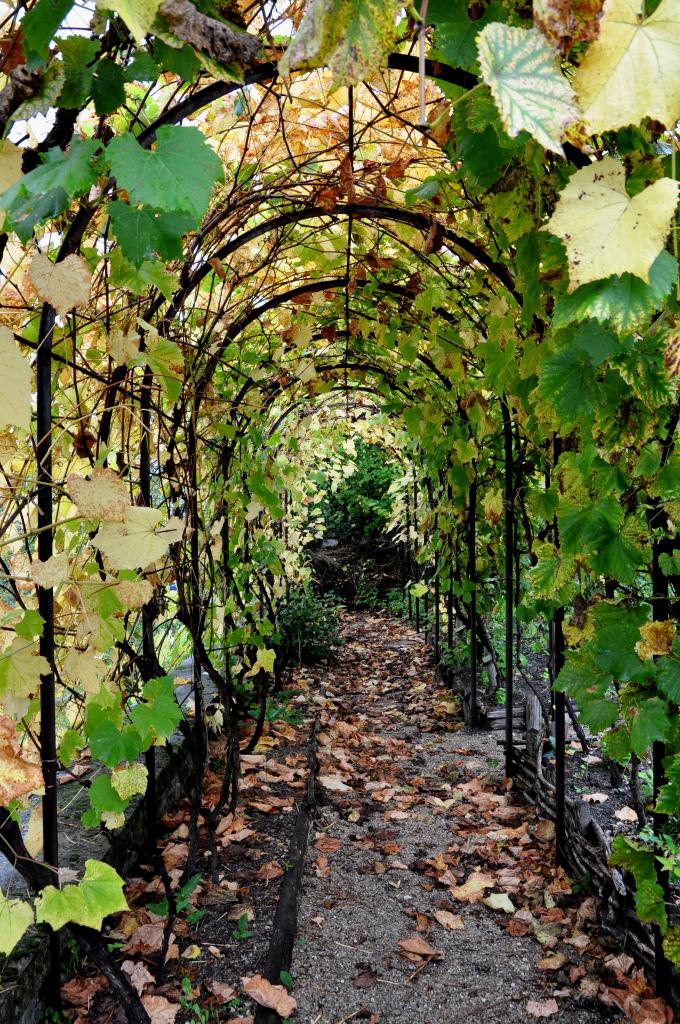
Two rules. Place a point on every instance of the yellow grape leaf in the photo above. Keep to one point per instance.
(20, 669)
(33, 838)
(494, 506)
(52, 572)
(122, 345)
(129, 781)
(138, 15)
(84, 669)
(134, 593)
(104, 496)
(15, 384)
(140, 539)
(15, 917)
(10, 164)
(604, 230)
(64, 285)
(18, 776)
(631, 70)
(657, 638)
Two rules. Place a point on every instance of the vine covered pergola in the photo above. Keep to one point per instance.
(236, 235)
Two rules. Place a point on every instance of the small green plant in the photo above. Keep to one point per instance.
(500, 696)
(667, 851)
(309, 628)
(396, 602)
(183, 902)
(286, 979)
(581, 885)
(242, 930)
(195, 1013)
(279, 709)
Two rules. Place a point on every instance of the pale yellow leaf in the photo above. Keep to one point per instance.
(122, 345)
(52, 572)
(625, 814)
(104, 496)
(18, 775)
(134, 593)
(631, 70)
(64, 285)
(84, 669)
(140, 539)
(15, 917)
(500, 901)
(20, 669)
(604, 230)
(15, 384)
(333, 784)
(11, 157)
(130, 780)
(138, 15)
(33, 837)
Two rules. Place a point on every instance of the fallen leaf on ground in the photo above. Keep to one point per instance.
(327, 844)
(416, 949)
(471, 891)
(542, 1008)
(333, 784)
(79, 991)
(321, 866)
(552, 963)
(595, 798)
(138, 974)
(274, 997)
(366, 978)
(500, 901)
(269, 871)
(221, 991)
(448, 920)
(625, 814)
(160, 1009)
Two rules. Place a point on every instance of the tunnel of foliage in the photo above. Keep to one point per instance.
(244, 245)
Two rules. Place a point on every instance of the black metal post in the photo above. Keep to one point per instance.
(509, 588)
(472, 579)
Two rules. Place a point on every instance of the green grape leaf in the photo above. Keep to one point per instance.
(143, 68)
(669, 677)
(144, 233)
(159, 715)
(138, 15)
(616, 744)
(51, 186)
(455, 33)
(626, 302)
(138, 280)
(182, 62)
(30, 625)
(668, 800)
(39, 26)
(650, 722)
(15, 917)
(617, 630)
(99, 894)
(110, 741)
(598, 714)
(71, 743)
(105, 803)
(351, 37)
(531, 93)
(671, 944)
(649, 896)
(108, 89)
(78, 54)
(568, 379)
(178, 175)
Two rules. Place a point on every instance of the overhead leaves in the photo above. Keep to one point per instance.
(531, 92)
(351, 37)
(603, 228)
(630, 71)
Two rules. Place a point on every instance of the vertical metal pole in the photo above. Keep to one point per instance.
(558, 705)
(437, 596)
(408, 551)
(509, 588)
(472, 579)
(660, 612)
(416, 569)
(148, 613)
(48, 735)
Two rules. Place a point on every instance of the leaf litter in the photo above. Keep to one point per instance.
(429, 895)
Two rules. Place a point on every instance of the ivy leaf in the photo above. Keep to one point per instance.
(109, 741)
(351, 37)
(39, 26)
(178, 175)
(144, 232)
(530, 91)
(649, 897)
(99, 894)
(15, 384)
(625, 302)
(630, 71)
(15, 917)
(157, 718)
(603, 227)
(650, 723)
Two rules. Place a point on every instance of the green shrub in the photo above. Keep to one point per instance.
(361, 505)
(309, 627)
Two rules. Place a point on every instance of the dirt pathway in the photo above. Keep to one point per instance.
(415, 834)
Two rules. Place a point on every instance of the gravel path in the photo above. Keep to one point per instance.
(400, 811)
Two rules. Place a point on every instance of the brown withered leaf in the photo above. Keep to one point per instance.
(446, 919)
(160, 1009)
(269, 871)
(566, 22)
(79, 991)
(366, 978)
(327, 844)
(417, 949)
(542, 1007)
(274, 997)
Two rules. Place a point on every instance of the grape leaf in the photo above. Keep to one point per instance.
(626, 301)
(129, 780)
(138, 280)
(139, 540)
(105, 803)
(99, 894)
(30, 625)
(104, 496)
(351, 37)
(78, 54)
(530, 91)
(159, 715)
(15, 384)
(143, 232)
(568, 379)
(669, 677)
(138, 15)
(108, 89)
(649, 896)
(18, 775)
(109, 741)
(64, 285)
(650, 723)
(671, 944)
(39, 26)
(455, 32)
(178, 175)
(603, 227)
(20, 669)
(631, 70)
(15, 917)
(11, 159)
